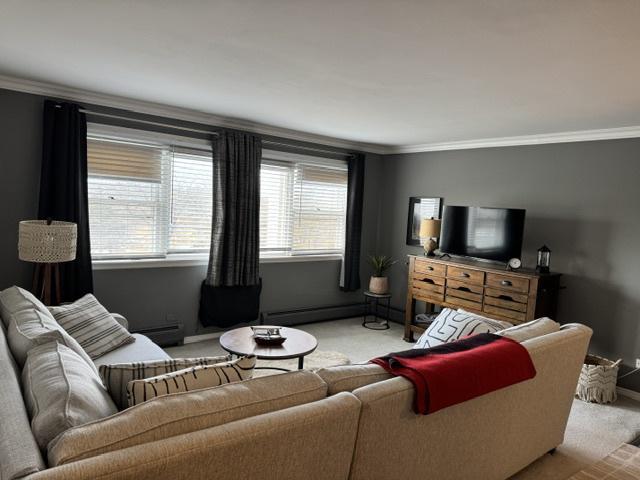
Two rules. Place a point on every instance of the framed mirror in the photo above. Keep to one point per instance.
(419, 208)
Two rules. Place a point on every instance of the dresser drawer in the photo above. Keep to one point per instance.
(498, 302)
(498, 280)
(464, 290)
(428, 283)
(463, 303)
(504, 313)
(425, 266)
(465, 275)
(427, 296)
(506, 295)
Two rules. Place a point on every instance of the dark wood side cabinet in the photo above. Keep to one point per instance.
(479, 287)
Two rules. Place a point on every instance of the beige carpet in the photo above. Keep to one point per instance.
(593, 432)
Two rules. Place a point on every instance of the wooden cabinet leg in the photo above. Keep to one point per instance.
(408, 318)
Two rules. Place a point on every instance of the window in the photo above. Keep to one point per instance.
(147, 198)
(150, 196)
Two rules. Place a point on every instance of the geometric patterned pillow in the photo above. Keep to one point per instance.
(451, 325)
(117, 376)
(194, 378)
(92, 326)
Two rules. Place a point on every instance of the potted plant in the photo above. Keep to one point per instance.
(379, 283)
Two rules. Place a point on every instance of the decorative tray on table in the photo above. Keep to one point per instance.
(268, 336)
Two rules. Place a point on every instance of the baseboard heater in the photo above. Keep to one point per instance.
(164, 335)
(301, 316)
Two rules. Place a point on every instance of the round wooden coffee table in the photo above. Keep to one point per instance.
(239, 341)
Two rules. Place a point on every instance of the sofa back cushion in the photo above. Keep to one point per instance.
(191, 378)
(181, 413)
(529, 330)
(15, 299)
(117, 376)
(30, 328)
(61, 391)
(92, 326)
(19, 452)
(346, 378)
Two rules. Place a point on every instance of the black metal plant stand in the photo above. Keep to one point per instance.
(371, 307)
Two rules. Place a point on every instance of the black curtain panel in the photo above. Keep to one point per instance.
(350, 274)
(233, 279)
(63, 188)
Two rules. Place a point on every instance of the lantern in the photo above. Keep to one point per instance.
(544, 259)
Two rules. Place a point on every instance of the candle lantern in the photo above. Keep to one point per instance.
(544, 259)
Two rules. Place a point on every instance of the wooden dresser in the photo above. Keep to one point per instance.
(479, 287)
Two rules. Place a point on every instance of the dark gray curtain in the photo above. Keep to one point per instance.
(63, 189)
(230, 293)
(350, 274)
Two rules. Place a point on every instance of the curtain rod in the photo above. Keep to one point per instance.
(207, 132)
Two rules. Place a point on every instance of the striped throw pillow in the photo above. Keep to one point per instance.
(92, 326)
(194, 378)
(117, 376)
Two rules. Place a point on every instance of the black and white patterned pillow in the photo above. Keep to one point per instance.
(189, 379)
(117, 376)
(452, 325)
(92, 326)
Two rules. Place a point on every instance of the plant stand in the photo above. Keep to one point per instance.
(371, 306)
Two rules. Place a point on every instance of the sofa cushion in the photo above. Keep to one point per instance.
(30, 328)
(181, 413)
(117, 376)
(15, 299)
(19, 452)
(346, 378)
(141, 350)
(529, 330)
(451, 325)
(92, 326)
(192, 378)
(61, 391)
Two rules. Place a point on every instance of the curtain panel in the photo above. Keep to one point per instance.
(63, 189)
(350, 272)
(231, 291)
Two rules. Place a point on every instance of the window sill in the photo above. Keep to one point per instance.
(198, 260)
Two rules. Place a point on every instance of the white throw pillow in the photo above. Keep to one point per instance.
(529, 330)
(451, 325)
(92, 326)
(61, 391)
(194, 378)
(117, 376)
(30, 328)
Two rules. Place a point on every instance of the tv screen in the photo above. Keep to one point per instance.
(488, 233)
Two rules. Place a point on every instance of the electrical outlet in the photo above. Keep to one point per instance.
(637, 362)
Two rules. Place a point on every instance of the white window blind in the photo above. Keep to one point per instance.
(147, 199)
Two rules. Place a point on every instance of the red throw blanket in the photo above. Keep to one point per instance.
(459, 371)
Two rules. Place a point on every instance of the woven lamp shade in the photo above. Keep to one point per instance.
(429, 228)
(39, 242)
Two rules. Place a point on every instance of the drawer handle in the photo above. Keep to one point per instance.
(505, 297)
(428, 280)
(506, 283)
(464, 275)
(430, 268)
(463, 289)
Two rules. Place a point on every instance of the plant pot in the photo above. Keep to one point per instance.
(379, 285)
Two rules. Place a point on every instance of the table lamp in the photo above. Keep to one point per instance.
(47, 243)
(429, 229)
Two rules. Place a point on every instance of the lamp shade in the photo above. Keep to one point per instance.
(43, 242)
(429, 228)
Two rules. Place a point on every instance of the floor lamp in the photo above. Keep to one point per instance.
(47, 243)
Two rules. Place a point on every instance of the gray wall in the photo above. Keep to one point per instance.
(582, 200)
(151, 297)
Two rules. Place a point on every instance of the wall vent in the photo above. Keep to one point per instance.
(164, 335)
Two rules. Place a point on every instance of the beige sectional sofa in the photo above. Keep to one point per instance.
(352, 422)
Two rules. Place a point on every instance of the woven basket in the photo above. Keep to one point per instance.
(598, 379)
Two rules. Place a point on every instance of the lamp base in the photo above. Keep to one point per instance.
(430, 248)
(46, 283)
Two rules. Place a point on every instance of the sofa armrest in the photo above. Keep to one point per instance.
(121, 320)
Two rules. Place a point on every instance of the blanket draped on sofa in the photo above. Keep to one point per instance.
(455, 372)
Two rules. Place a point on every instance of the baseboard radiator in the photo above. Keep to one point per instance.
(164, 335)
(312, 314)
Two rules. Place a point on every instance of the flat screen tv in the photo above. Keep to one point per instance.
(480, 232)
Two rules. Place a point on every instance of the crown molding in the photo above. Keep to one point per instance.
(178, 113)
(545, 138)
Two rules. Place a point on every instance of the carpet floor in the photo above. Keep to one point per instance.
(592, 433)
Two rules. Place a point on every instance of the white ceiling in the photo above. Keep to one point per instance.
(376, 71)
